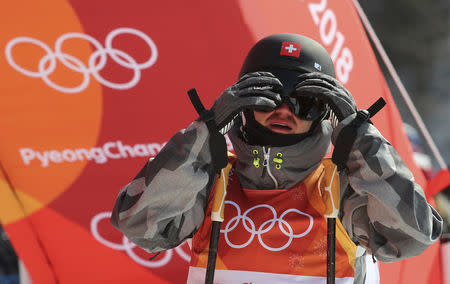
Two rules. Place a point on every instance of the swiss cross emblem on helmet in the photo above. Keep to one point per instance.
(290, 49)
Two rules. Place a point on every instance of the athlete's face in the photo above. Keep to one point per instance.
(282, 120)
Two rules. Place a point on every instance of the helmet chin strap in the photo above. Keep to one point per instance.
(256, 134)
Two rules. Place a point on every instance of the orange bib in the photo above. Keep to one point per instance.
(276, 235)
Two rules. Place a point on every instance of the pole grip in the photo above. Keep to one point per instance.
(217, 212)
(217, 217)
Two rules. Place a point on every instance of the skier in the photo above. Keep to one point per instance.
(278, 195)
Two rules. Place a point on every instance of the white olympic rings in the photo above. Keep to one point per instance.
(97, 60)
(128, 246)
(265, 227)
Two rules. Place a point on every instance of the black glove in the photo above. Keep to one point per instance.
(256, 90)
(329, 90)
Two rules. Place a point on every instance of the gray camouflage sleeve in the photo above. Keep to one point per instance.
(385, 210)
(165, 203)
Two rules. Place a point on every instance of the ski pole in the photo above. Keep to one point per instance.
(341, 152)
(219, 161)
(331, 214)
(217, 216)
(331, 249)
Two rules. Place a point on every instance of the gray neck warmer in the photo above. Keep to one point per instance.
(264, 167)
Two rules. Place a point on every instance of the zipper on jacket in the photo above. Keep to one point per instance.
(266, 166)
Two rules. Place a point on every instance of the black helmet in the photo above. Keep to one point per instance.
(287, 56)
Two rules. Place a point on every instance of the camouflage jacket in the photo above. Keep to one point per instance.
(382, 208)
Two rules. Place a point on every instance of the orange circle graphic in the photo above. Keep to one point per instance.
(39, 120)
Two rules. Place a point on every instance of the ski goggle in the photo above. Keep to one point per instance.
(305, 108)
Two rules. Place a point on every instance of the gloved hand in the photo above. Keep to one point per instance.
(256, 90)
(329, 90)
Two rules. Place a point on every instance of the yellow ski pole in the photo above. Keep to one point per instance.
(217, 216)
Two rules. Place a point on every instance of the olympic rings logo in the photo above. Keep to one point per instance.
(265, 227)
(128, 246)
(97, 60)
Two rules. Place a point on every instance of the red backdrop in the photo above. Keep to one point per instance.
(91, 89)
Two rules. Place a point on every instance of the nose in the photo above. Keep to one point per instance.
(283, 110)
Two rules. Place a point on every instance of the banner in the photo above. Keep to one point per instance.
(92, 89)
